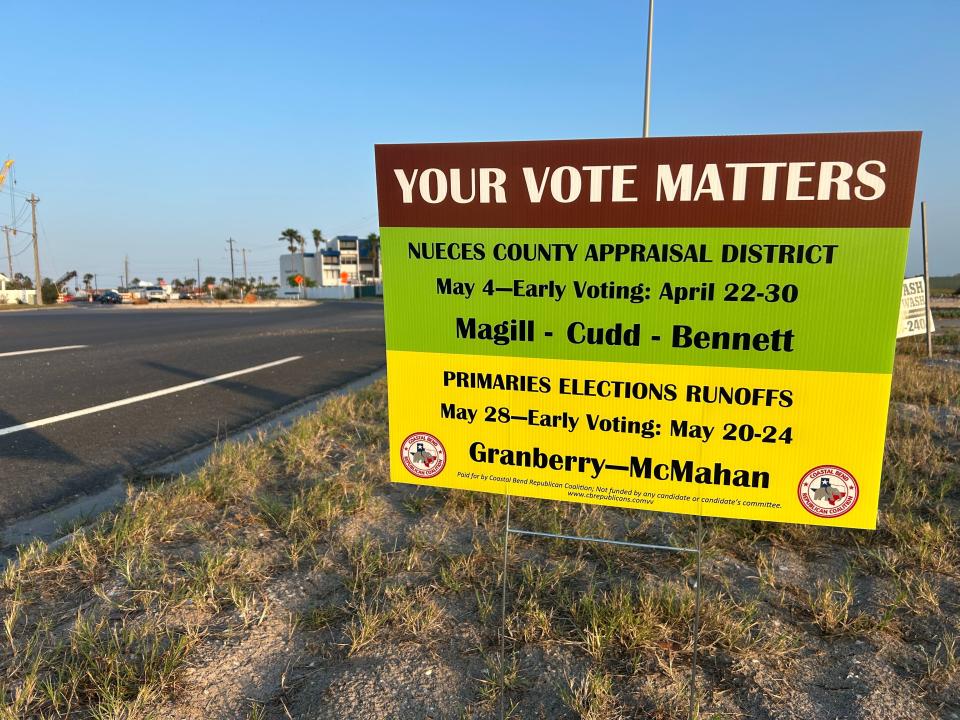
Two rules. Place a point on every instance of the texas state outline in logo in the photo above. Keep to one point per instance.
(423, 455)
(828, 491)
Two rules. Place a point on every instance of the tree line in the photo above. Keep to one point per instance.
(295, 241)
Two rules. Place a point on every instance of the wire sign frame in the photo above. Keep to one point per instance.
(696, 550)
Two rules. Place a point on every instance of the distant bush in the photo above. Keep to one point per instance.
(49, 292)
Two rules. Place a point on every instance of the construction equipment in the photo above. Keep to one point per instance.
(62, 281)
(4, 169)
(64, 278)
(62, 289)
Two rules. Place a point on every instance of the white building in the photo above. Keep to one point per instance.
(12, 296)
(358, 257)
(346, 260)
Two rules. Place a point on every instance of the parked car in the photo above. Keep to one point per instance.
(154, 293)
(186, 296)
(109, 297)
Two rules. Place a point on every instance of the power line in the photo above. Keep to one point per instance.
(24, 249)
(16, 193)
(17, 219)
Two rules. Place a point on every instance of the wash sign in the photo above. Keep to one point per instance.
(690, 325)
(914, 314)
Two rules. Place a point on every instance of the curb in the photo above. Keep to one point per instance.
(46, 525)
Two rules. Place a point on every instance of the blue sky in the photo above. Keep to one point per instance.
(159, 130)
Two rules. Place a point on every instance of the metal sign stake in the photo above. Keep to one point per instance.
(503, 610)
(926, 278)
(696, 617)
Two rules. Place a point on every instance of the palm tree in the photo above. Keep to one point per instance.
(292, 238)
(87, 277)
(317, 238)
(375, 253)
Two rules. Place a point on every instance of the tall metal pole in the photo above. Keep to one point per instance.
(38, 284)
(926, 278)
(646, 85)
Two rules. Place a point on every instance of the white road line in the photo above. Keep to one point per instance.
(42, 350)
(140, 398)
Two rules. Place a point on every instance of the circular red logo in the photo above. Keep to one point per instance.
(828, 491)
(423, 455)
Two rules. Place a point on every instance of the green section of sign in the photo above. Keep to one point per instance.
(838, 316)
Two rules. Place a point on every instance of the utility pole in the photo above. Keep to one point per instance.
(232, 278)
(246, 286)
(646, 85)
(38, 285)
(6, 234)
(126, 272)
(199, 279)
(926, 278)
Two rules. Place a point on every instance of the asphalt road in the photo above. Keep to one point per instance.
(133, 352)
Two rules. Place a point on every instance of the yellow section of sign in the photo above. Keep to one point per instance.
(775, 445)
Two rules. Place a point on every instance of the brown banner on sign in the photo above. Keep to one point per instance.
(822, 180)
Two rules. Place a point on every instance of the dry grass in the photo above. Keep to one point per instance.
(592, 697)
(95, 628)
(106, 625)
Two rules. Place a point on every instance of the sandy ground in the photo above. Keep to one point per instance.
(313, 588)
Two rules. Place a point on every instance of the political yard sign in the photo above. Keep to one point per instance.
(914, 314)
(691, 325)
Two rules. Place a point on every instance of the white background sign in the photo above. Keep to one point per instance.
(913, 308)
